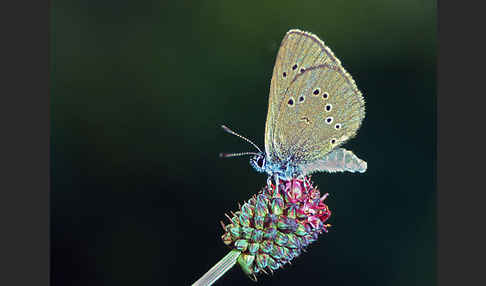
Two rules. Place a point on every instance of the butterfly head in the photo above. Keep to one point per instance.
(258, 162)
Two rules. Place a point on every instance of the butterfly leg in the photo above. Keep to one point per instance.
(277, 182)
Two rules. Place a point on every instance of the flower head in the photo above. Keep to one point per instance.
(276, 225)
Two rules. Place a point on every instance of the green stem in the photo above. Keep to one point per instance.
(219, 269)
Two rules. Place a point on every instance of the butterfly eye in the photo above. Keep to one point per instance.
(284, 74)
(316, 91)
(328, 107)
(325, 95)
(294, 67)
(260, 162)
(337, 126)
(302, 70)
(333, 141)
(290, 102)
(329, 120)
(301, 98)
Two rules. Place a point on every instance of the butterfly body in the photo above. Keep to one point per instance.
(283, 169)
(314, 107)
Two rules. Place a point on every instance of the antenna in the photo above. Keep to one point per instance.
(242, 137)
(227, 155)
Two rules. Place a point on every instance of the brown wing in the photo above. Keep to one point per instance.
(298, 51)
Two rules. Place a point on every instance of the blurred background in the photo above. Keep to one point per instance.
(138, 90)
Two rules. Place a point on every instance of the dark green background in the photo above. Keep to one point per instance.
(138, 92)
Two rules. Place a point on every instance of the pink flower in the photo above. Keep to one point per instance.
(275, 225)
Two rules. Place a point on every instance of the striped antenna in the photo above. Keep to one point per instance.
(240, 136)
(228, 155)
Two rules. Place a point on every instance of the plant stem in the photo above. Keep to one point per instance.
(219, 269)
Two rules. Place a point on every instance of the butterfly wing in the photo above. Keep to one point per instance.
(321, 109)
(338, 160)
(298, 51)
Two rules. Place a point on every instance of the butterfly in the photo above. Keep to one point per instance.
(314, 107)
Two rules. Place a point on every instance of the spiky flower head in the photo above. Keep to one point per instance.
(276, 225)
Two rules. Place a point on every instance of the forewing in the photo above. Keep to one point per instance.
(298, 51)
